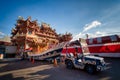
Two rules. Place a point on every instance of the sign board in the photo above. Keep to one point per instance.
(10, 49)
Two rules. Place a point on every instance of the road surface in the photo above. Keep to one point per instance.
(25, 70)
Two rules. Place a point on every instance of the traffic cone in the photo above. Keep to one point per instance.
(55, 62)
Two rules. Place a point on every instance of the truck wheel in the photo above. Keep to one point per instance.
(69, 65)
(90, 69)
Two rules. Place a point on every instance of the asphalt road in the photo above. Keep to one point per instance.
(25, 70)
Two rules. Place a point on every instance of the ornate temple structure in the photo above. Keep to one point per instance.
(28, 35)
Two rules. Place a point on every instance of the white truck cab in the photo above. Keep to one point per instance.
(84, 60)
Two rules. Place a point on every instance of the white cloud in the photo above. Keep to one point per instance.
(100, 33)
(2, 34)
(91, 25)
(86, 28)
(80, 35)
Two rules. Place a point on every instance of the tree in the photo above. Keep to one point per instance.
(64, 37)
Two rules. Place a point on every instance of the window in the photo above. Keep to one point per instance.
(90, 41)
(113, 38)
(99, 40)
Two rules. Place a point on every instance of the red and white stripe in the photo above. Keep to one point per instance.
(108, 49)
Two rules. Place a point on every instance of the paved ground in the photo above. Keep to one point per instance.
(25, 70)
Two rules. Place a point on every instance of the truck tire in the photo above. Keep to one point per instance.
(69, 64)
(90, 69)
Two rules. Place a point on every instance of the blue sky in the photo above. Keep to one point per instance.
(74, 16)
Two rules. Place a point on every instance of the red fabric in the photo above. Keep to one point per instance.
(96, 49)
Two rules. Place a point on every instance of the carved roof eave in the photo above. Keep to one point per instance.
(47, 36)
(49, 32)
(31, 27)
(14, 31)
(20, 21)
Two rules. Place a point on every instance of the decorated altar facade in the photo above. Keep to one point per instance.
(29, 36)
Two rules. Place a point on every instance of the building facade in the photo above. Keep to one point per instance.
(30, 36)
